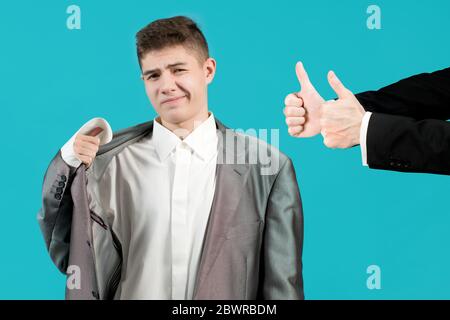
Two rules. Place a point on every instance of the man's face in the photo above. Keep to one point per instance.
(176, 83)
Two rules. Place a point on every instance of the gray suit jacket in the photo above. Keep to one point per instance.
(254, 236)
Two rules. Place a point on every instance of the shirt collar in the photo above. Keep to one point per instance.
(202, 140)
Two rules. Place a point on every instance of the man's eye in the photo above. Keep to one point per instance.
(152, 77)
(179, 70)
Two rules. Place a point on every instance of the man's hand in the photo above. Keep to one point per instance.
(341, 119)
(86, 146)
(302, 109)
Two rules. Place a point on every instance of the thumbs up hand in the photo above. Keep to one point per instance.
(307, 113)
(302, 109)
(341, 119)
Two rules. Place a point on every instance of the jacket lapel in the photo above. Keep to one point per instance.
(230, 181)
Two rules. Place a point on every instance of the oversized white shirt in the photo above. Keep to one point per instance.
(157, 194)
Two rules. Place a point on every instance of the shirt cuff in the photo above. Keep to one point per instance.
(363, 137)
(67, 152)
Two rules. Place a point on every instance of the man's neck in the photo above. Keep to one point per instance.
(183, 129)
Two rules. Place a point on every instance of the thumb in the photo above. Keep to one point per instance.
(337, 86)
(302, 75)
(94, 131)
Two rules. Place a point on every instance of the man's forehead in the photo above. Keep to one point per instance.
(166, 57)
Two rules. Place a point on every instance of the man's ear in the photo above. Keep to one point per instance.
(210, 69)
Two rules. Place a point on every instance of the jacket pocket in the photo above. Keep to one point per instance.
(107, 256)
(95, 217)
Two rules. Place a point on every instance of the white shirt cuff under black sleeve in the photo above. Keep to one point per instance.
(363, 137)
(67, 152)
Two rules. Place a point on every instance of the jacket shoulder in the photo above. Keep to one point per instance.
(122, 136)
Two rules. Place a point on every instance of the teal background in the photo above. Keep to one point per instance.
(54, 79)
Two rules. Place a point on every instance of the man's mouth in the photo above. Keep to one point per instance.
(173, 99)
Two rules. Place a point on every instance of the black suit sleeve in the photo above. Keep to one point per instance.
(423, 96)
(404, 144)
(408, 130)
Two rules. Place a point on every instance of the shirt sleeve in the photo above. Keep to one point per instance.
(67, 152)
(363, 137)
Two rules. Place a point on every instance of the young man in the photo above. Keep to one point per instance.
(168, 209)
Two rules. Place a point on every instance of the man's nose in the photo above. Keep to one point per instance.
(168, 84)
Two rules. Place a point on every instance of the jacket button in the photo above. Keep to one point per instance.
(63, 178)
(59, 189)
(392, 164)
(61, 184)
(58, 196)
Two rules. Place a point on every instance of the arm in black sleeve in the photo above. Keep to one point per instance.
(423, 96)
(405, 144)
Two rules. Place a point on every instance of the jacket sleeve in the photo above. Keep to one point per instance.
(283, 239)
(407, 130)
(423, 96)
(55, 215)
(405, 144)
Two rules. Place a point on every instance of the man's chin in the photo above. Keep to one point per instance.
(174, 115)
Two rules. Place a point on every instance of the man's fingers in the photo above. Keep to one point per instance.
(338, 86)
(85, 159)
(302, 75)
(328, 141)
(91, 136)
(90, 139)
(295, 121)
(85, 144)
(332, 141)
(335, 140)
(293, 100)
(85, 151)
(294, 111)
(295, 131)
(94, 132)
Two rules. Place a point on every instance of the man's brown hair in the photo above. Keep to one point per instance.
(169, 32)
